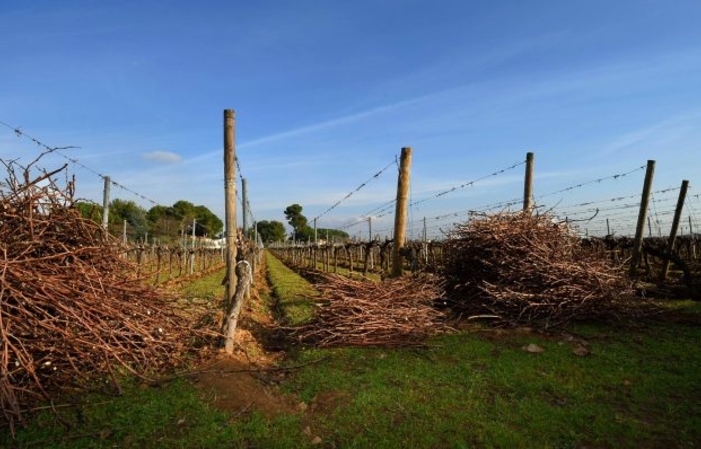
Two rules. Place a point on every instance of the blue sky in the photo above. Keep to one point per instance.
(327, 92)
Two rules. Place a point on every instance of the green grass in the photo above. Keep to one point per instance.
(295, 296)
(174, 416)
(207, 287)
(637, 388)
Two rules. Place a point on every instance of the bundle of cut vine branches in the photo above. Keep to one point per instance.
(71, 310)
(395, 312)
(527, 269)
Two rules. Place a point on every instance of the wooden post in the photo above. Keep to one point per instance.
(608, 227)
(400, 213)
(106, 203)
(124, 232)
(369, 229)
(691, 228)
(230, 218)
(244, 206)
(192, 248)
(642, 215)
(675, 227)
(315, 231)
(528, 184)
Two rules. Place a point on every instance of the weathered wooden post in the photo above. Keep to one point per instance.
(192, 247)
(528, 184)
(230, 228)
(106, 203)
(642, 215)
(244, 206)
(400, 213)
(675, 227)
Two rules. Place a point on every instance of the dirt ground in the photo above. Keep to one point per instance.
(249, 380)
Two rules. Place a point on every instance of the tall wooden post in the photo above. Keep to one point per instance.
(691, 227)
(244, 206)
(369, 229)
(400, 213)
(675, 227)
(106, 203)
(528, 184)
(192, 247)
(642, 215)
(231, 308)
(230, 203)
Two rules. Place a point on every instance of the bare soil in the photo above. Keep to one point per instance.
(248, 381)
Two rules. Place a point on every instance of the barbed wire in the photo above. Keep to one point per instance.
(593, 181)
(349, 194)
(467, 184)
(21, 134)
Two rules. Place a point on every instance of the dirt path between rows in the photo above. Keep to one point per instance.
(248, 381)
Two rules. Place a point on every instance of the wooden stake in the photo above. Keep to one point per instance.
(642, 215)
(230, 218)
(106, 203)
(400, 213)
(675, 227)
(244, 207)
(528, 184)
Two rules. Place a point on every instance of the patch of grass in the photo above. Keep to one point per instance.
(207, 287)
(173, 416)
(637, 388)
(295, 296)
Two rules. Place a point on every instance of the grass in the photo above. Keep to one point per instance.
(172, 417)
(295, 296)
(639, 387)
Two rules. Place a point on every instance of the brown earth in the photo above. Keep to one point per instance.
(248, 381)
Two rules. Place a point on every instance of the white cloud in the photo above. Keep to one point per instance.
(162, 156)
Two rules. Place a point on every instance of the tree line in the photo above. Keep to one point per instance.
(274, 231)
(165, 223)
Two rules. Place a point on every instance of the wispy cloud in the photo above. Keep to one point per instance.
(655, 135)
(162, 156)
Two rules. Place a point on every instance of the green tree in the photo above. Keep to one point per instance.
(269, 231)
(332, 234)
(135, 216)
(299, 223)
(208, 224)
(91, 211)
(171, 221)
(163, 223)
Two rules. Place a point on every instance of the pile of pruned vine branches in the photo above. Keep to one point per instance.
(395, 312)
(530, 269)
(71, 310)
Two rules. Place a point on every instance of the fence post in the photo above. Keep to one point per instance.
(106, 203)
(528, 184)
(192, 249)
(691, 228)
(230, 216)
(400, 213)
(675, 227)
(642, 215)
(244, 206)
